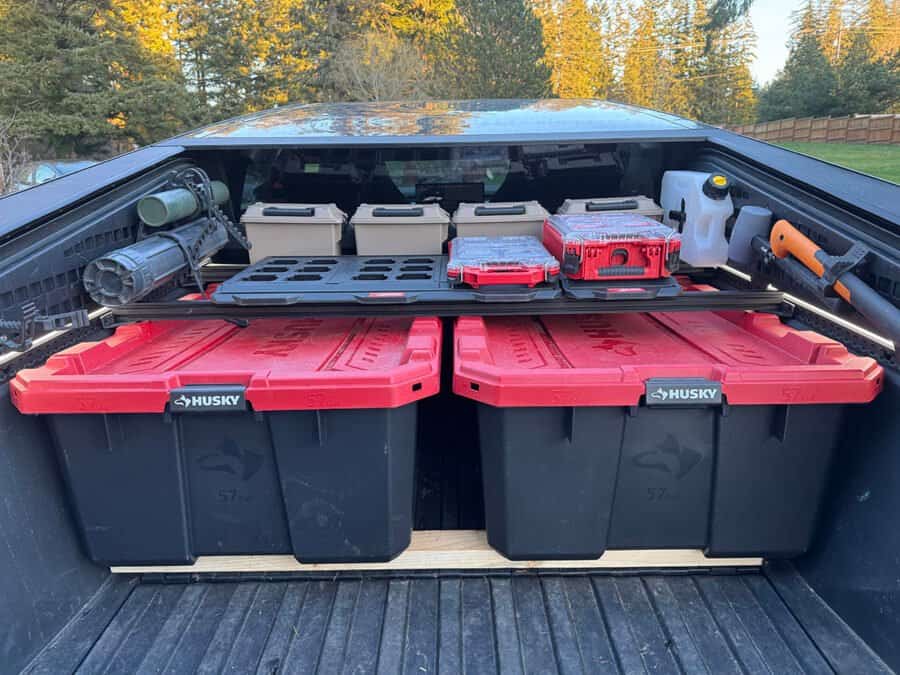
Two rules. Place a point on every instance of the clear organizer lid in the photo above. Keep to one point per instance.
(487, 253)
(609, 227)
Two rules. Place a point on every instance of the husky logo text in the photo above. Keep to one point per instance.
(680, 392)
(208, 399)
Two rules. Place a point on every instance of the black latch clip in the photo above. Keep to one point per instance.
(18, 335)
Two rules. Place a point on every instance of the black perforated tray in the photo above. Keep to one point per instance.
(361, 279)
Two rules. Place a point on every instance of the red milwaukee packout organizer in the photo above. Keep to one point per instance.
(611, 246)
(501, 261)
(699, 430)
(186, 438)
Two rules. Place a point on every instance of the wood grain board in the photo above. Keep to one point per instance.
(448, 550)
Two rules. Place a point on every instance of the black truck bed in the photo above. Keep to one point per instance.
(522, 623)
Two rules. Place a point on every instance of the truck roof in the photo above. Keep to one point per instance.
(445, 123)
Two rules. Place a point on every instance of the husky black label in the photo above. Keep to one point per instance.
(683, 392)
(207, 399)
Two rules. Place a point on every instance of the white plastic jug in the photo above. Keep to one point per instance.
(700, 203)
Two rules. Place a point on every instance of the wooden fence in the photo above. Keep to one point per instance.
(883, 129)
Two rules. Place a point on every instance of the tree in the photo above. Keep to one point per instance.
(865, 84)
(723, 92)
(640, 67)
(246, 55)
(149, 88)
(494, 51)
(806, 84)
(882, 23)
(377, 66)
(79, 76)
(576, 48)
(419, 20)
(649, 76)
(724, 12)
(836, 32)
(13, 156)
(682, 42)
(720, 82)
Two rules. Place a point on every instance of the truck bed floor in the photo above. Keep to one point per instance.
(523, 623)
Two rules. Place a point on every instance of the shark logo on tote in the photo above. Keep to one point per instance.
(670, 457)
(231, 459)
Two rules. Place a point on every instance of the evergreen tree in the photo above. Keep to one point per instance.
(149, 86)
(247, 55)
(658, 59)
(881, 22)
(608, 57)
(75, 75)
(806, 84)
(683, 39)
(495, 52)
(583, 67)
(641, 66)
(576, 47)
(865, 84)
(724, 12)
(836, 32)
(419, 20)
(723, 91)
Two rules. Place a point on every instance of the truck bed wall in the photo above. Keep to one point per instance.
(46, 578)
(854, 561)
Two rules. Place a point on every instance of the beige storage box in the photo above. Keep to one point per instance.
(293, 229)
(400, 229)
(640, 205)
(500, 219)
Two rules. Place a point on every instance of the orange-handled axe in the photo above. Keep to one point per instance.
(786, 240)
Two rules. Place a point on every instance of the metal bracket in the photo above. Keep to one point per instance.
(110, 321)
(836, 266)
(18, 335)
(189, 255)
(197, 181)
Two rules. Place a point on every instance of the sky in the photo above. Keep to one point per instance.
(771, 19)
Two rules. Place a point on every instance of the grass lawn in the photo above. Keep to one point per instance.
(882, 161)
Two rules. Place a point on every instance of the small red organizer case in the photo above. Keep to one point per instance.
(500, 261)
(611, 246)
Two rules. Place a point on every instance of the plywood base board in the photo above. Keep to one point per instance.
(448, 550)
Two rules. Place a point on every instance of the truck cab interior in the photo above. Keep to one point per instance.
(484, 462)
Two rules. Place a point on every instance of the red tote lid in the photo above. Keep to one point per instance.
(281, 364)
(607, 359)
